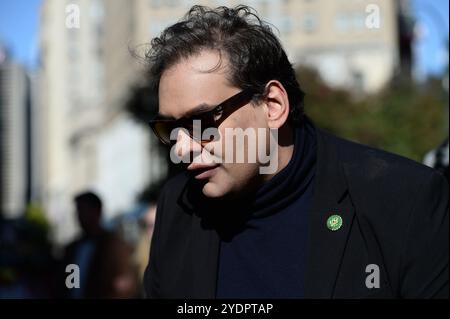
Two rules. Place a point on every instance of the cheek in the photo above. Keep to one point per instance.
(237, 175)
(226, 151)
(257, 116)
(245, 117)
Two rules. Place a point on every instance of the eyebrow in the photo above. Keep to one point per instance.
(196, 110)
(200, 109)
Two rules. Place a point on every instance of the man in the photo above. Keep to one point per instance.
(335, 219)
(103, 258)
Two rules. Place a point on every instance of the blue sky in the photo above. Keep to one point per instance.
(19, 20)
(432, 45)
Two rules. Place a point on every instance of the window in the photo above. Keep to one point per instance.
(156, 3)
(358, 20)
(309, 22)
(172, 3)
(342, 23)
(347, 22)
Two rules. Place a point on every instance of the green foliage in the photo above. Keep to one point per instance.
(35, 215)
(405, 118)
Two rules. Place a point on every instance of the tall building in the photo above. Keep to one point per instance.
(90, 142)
(14, 137)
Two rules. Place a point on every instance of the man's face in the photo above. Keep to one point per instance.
(190, 83)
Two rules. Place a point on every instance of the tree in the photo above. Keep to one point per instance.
(404, 118)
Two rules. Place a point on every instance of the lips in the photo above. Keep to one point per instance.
(202, 171)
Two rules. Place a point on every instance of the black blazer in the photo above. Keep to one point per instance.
(395, 215)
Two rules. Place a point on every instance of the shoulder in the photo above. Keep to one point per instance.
(373, 165)
(384, 187)
(387, 189)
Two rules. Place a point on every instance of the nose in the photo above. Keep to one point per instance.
(185, 146)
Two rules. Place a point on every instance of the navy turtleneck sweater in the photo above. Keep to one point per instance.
(265, 257)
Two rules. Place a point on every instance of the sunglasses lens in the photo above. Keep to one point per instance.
(162, 130)
(201, 129)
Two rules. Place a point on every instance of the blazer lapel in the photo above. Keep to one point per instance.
(326, 247)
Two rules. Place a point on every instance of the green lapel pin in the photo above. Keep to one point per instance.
(334, 222)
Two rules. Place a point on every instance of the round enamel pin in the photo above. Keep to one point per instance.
(334, 222)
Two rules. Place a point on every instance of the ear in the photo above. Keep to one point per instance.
(277, 103)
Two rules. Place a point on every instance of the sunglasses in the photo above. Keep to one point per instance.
(162, 127)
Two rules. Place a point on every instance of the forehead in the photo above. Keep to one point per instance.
(200, 79)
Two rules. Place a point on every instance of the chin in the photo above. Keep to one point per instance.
(214, 190)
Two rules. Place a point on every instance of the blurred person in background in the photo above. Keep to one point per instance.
(336, 220)
(439, 158)
(103, 258)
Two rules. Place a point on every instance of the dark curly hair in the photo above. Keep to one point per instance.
(254, 53)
